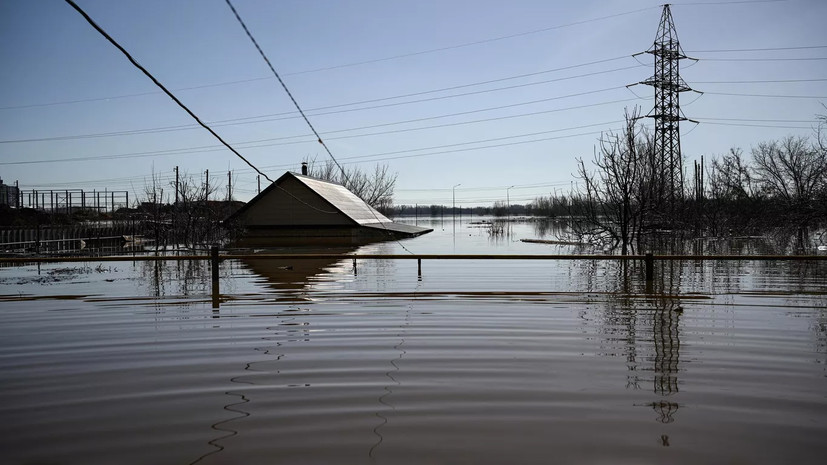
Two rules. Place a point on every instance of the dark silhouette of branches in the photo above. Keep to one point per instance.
(375, 188)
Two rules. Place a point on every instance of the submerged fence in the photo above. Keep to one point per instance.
(56, 238)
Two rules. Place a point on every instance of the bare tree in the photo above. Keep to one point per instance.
(730, 177)
(375, 188)
(614, 199)
(195, 218)
(821, 131)
(790, 170)
(792, 173)
(734, 200)
(153, 207)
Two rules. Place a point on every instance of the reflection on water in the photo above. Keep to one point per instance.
(471, 362)
(291, 277)
(667, 354)
(385, 399)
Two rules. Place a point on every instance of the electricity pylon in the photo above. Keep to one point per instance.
(667, 163)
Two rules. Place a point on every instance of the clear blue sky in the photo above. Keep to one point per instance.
(63, 82)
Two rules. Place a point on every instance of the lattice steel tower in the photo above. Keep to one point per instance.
(668, 163)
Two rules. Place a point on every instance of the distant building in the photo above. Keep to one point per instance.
(9, 195)
(299, 209)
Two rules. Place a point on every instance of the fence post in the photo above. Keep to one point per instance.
(650, 267)
(214, 268)
(419, 267)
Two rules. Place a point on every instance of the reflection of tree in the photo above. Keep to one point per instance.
(183, 277)
(820, 328)
(547, 227)
(667, 345)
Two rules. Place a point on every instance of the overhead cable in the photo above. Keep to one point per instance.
(284, 86)
(180, 128)
(468, 44)
(161, 86)
(412, 94)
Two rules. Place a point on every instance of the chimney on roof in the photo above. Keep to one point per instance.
(304, 168)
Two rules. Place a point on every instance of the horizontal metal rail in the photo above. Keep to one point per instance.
(293, 256)
(215, 258)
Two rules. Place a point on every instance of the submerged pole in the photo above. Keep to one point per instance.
(214, 268)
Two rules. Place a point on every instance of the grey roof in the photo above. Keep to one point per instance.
(344, 200)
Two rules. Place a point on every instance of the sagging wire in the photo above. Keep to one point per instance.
(184, 107)
(306, 120)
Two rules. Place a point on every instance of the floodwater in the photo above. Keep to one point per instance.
(477, 362)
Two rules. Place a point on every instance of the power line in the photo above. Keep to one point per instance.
(467, 44)
(578, 94)
(148, 74)
(731, 2)
(177, 128)
(765, 49)
(734, 94)
(241, 81)
(768, 81)
(441, 126)
(284, 86)
(209, 148)
(757, 125)
(480, 141)
(372, 158)
(213, 148)
(394, 123)
(413, 94)
(490, 81)
(764, 59)
(161, 86)
(124, 96)
(762, 120)
(471, 149)
(490, 188)
(188, 127)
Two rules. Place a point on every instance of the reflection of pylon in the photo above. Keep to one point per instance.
(668, 164)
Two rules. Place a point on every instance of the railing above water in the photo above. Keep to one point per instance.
(214, 257)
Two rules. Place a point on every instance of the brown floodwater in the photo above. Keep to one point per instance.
(472, 362)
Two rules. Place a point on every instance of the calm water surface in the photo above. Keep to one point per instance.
(471, 362)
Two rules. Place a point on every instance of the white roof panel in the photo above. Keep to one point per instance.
(346, 201)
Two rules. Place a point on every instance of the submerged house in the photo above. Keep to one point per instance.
(299, 209)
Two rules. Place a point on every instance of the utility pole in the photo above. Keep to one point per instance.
(454, 203)
(667, 163)
(176, 185)
(207, 185)
(258, 180)
(508, 203)
(229, 186)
